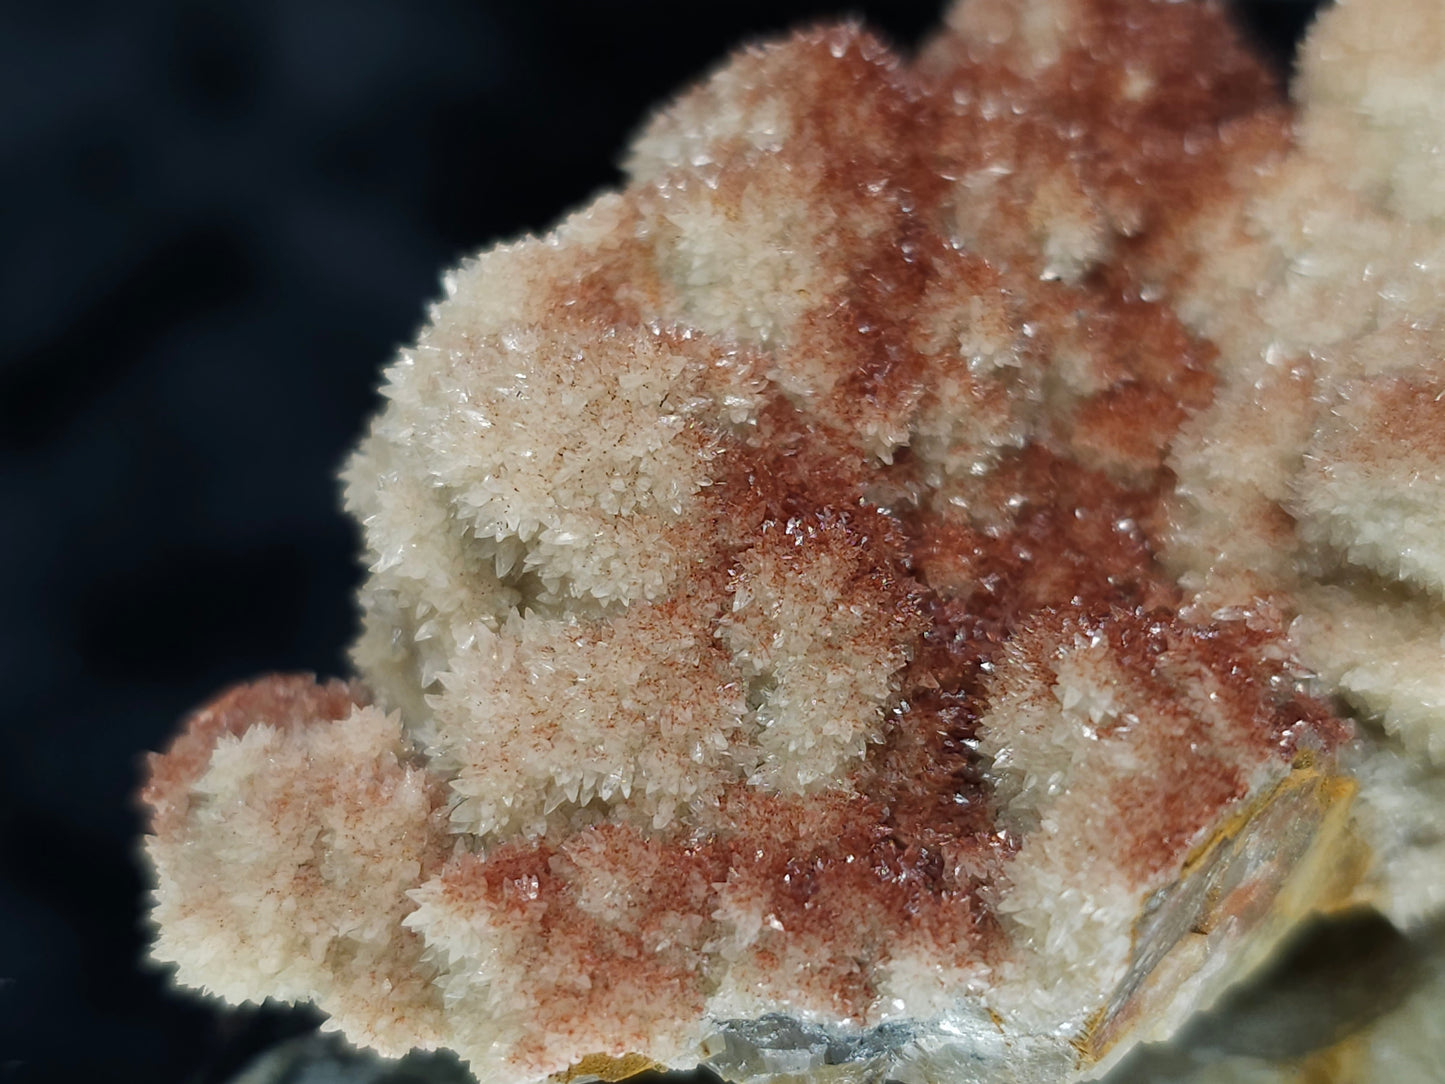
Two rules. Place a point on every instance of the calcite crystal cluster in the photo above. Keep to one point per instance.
(873, 596)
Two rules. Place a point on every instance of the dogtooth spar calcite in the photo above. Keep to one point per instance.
(871, 596)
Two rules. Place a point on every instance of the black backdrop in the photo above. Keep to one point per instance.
(216, 223)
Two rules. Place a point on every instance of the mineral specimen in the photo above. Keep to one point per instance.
(863, 599)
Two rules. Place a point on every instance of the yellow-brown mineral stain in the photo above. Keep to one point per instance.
(607, 1068)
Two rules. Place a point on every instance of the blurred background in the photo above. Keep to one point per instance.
(217, 222)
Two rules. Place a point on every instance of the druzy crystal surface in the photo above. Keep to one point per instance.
(872, 597)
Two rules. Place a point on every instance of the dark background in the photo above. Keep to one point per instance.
(217, 221)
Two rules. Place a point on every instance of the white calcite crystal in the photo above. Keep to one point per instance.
(871, 598)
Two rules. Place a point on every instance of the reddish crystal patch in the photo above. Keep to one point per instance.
(280, 700)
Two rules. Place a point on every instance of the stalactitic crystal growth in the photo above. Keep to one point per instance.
(871, 598)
